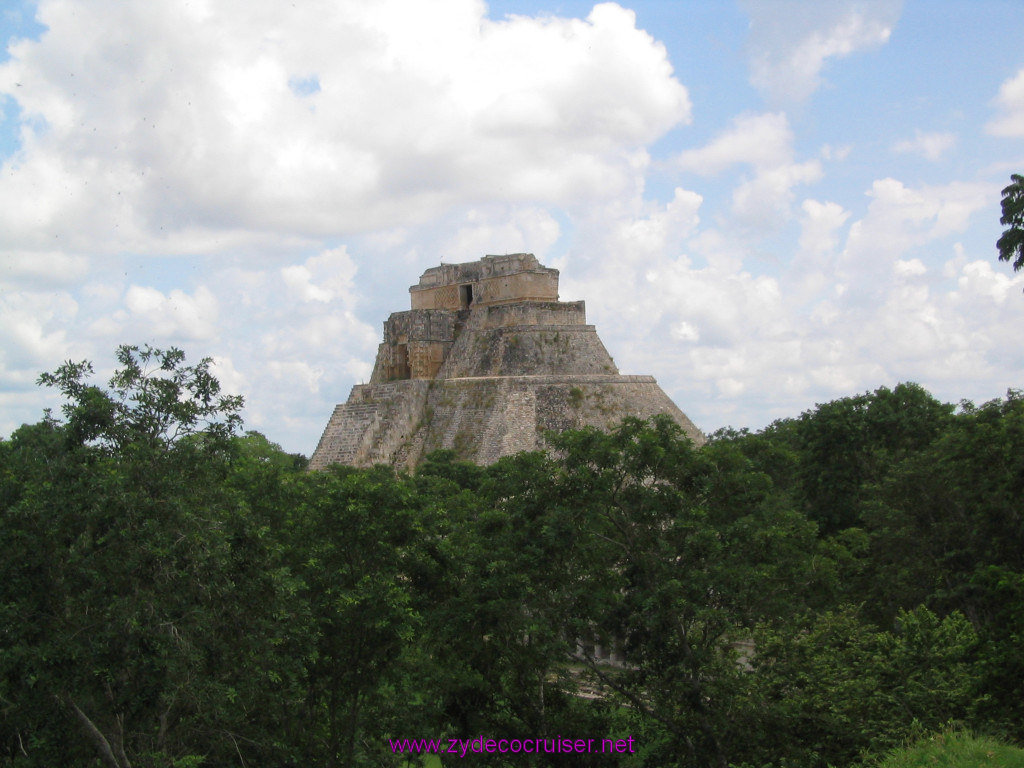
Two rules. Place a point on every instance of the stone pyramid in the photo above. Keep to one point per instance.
(484, 363)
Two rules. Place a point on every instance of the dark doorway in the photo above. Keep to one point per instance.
(465, 295)
(400, 363)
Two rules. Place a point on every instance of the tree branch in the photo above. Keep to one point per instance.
(95, 735)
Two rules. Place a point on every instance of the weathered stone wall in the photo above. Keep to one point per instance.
(487, 381)
(492, 280)
(483, 418)
(375, 424)
(420, 325)
(416, 343)
(539, 350)
(531, 313)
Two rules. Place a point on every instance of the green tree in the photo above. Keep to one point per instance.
(832, 687)
(143, 615)
(947, 529)
(676, 553)
(154, 401)
(254, 448)
(1011, 243)
(953, 749)
(847, 446)
(493, 657)
(355, 538)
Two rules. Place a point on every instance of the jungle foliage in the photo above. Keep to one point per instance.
(176, 593)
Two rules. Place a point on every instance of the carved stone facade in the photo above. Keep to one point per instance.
(484, 363)
(492, 280)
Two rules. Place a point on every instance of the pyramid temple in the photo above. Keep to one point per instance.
(484, 363)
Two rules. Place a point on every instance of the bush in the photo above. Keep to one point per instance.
(954, 749)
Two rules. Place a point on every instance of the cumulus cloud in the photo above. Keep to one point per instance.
(495, 229)
(43, 268)
(174, 316)
(909, 267)
(862, 303)
(672, 299)
(763, 202)
(820, 224)
(900, 218)
(765, 143)
(286, 337)
(232, 381)
(760, 140)
(722, 306)
(931, 146)
(620, 246)
(294, 339)
(978, 280)
(791, 42)
(1009, 104)
(311, 161)
(35, 327)
(663, 228)
(323, 278)
(152, 125)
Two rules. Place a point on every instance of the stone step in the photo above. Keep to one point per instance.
(351, 428)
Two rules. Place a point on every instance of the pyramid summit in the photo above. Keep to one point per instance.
(485, 361)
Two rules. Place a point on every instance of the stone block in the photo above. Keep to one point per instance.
(485, 362)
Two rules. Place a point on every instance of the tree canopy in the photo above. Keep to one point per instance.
(1011, 243)
(175, 593)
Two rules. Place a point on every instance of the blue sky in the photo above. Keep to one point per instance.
(766, 205)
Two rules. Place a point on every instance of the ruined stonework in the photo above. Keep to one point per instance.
(484, 363)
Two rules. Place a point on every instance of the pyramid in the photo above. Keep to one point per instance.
(484, 363)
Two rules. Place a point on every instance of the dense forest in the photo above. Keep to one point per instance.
(177, 592)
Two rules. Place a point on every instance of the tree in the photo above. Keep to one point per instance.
(832, 686)
(1011, 244)
(847, 446)
(675, 554)
(954, 749)
(354, 536)
(154, 401)
(141, 617)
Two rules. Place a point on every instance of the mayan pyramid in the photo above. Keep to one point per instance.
(484, 363)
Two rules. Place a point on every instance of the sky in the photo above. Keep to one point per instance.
(765, 204)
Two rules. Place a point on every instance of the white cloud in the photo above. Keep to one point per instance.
(685, 331)
(900, 218)
(293, 340)
(764, 142)
(323, 278)
(828, 152)
(860, 304)
(820, 226)
(297, 373)
(763, 202)
(42, 268)
(978, 280)
(623, 245)
(173, 316)
(1010, 105)
(931, 146)
(761, 140)
(909, 268)
(792, 41)
(36, 326)
(496, 230)
(232, 381)
(150, 126)
(723, 306)
(663, 228)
